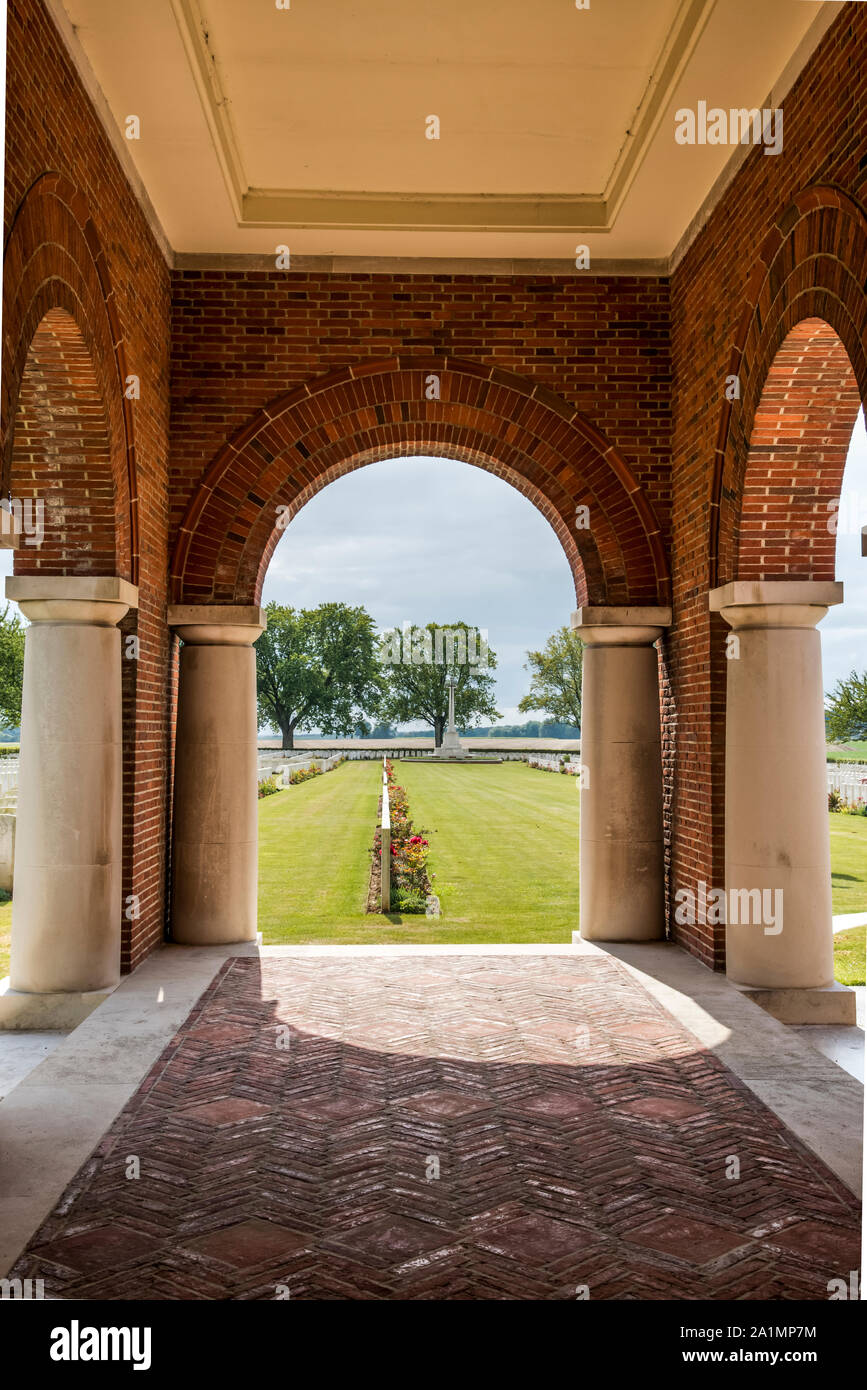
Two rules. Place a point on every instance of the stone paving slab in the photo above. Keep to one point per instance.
(443, 1127)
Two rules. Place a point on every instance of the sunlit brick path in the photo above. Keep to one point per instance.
(582, 1138)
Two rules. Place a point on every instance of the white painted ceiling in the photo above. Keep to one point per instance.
(305, 126)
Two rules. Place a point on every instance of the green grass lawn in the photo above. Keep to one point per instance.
(504, 849)
(850, 949)
(846, 752)
(314, 865)
(848, 862)
(5, 934)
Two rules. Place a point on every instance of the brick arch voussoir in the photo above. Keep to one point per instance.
(813, 264)
(355, 445)
(374, 410)
(529, 456)
(54, 259)
(358, 439)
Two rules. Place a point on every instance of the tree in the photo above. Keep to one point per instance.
(317, 667)
(846, 717)
(11, 666)
(383, 730)
(418, 687)
(556, 683)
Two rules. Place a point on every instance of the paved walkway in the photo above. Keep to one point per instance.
(443, 1127)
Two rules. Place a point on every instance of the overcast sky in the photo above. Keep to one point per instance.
(434, 540)
(424, 540)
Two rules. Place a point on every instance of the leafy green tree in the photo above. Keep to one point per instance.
(317, 668)
(846, 716)
(11, 666)
(556, 678)
(419, 668)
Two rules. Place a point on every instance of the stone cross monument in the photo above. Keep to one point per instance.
(451, 744)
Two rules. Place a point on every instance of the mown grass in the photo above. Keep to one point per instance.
(846, 752)
(504, 848)
(504, 852)
(848, 862)
(850, 956)
(5, 934)
(314, 861)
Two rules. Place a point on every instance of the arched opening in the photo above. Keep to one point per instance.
(59, 469)
(411, 542)
(69, 528)
(786, 540)
(446, 409)
(442, 406)
(800, 438)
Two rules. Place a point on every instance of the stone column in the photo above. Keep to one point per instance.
(622, 881)
(67, 910)
(778, 865)
(214, 862)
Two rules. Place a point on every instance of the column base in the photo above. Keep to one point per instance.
(830, 1004)
(24, 1012)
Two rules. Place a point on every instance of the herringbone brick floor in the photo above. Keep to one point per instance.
(448, 1128)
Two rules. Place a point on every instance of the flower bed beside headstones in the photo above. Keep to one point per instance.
(277, 780)
(410, 882)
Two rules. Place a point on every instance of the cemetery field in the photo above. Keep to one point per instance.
(504, 849)
(314, 864)
(504, 852)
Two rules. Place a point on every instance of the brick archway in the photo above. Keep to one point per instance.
(803, 331)
(60, 457)
(60, 317)
(800, 438)
(67, 430)
(799, 354)
(493, 419)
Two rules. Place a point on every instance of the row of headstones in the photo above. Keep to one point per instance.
(850, 780)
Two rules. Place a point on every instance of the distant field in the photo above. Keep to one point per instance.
(850, 950)
(846, 752)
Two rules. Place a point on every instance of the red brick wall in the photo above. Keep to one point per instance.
(788, 242)
(483, 414)
(77, 240)
(242, 339)
(643, 363)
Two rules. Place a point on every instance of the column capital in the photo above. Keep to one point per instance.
(217, 624)
(99, 600)
(620, 627)
(775, 602)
